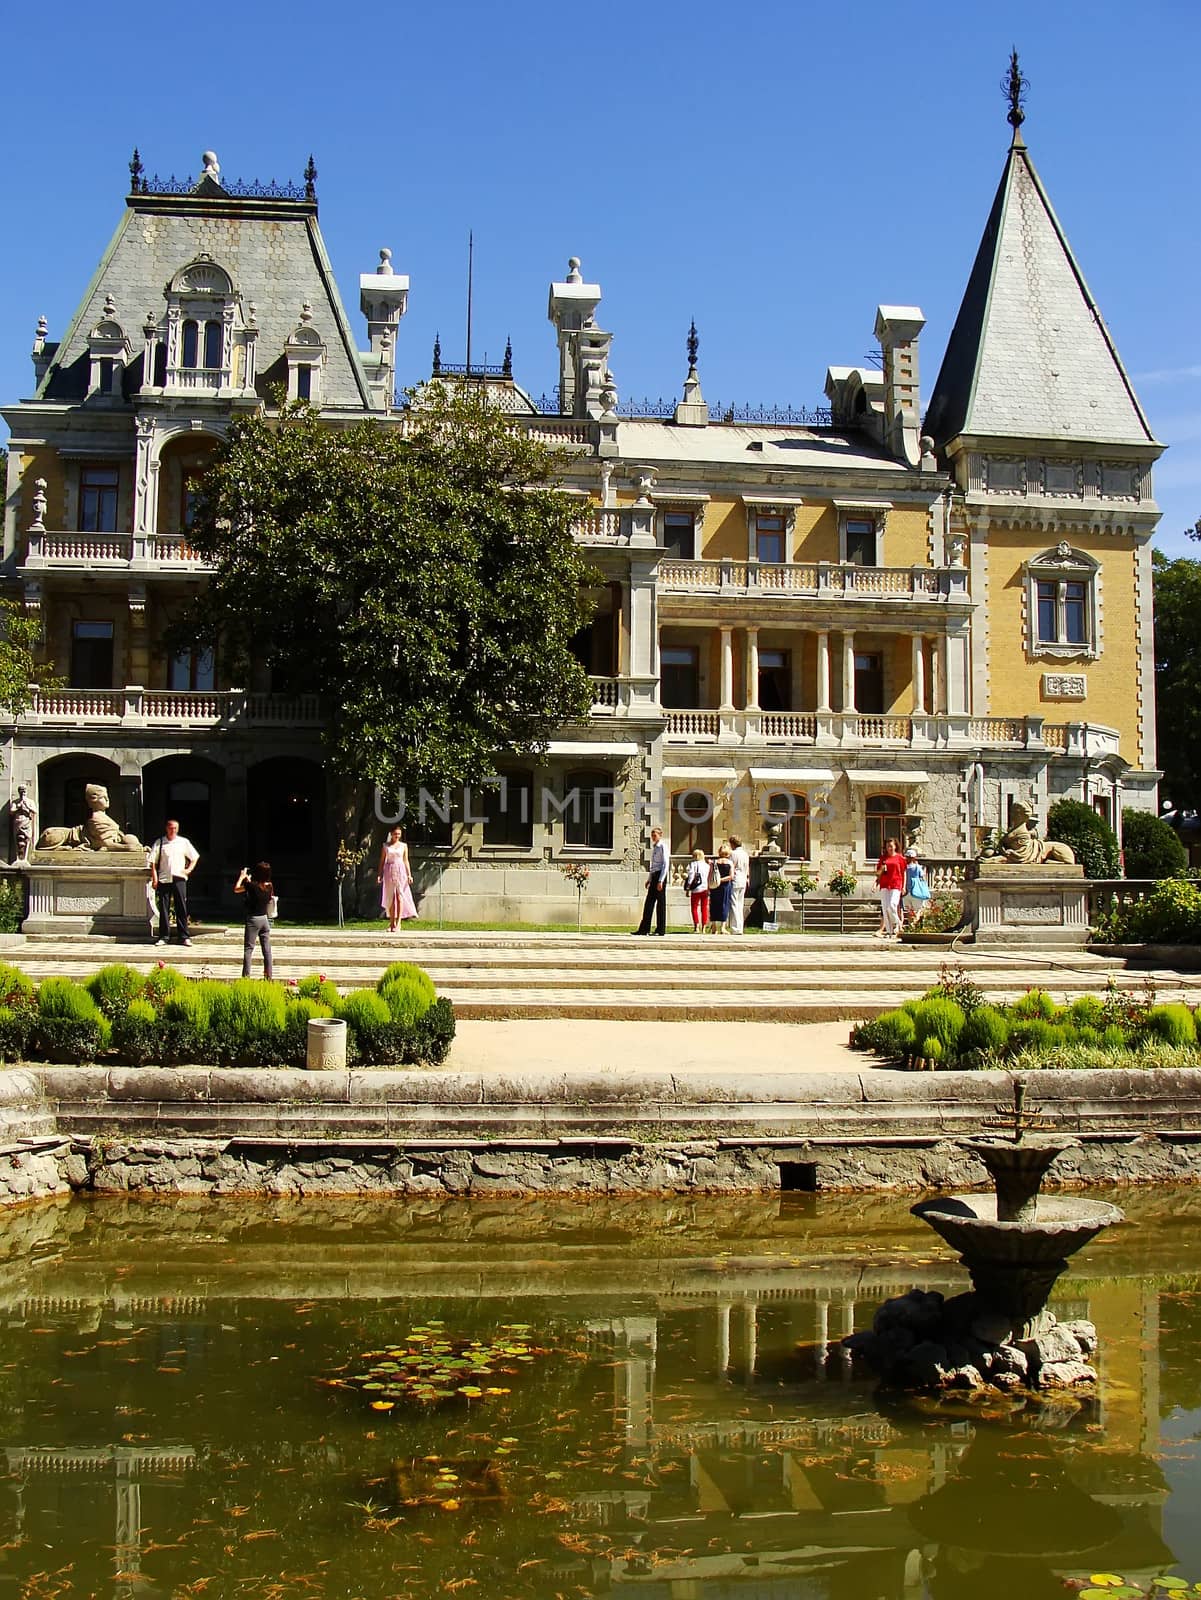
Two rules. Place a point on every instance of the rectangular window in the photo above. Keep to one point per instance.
(679, 677)
(1062, 611)
(775, 680)
(191, 669)
(1074, 613)
(508, 812)
(91, 655)
(692, 822)
(861, 541)
(304, 383)
(1047, 607)
(588, 817)
(769, 537)
(869, 685)
(679, 535)
(98, 499)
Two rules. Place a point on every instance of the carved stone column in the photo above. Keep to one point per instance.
(727, 669)
(752, 669)
(848, 673)
(823, 671)
(919, 674)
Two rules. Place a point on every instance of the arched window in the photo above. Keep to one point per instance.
(692, 822)
(886, 819)
(212, 345)
(189, 348)
(589, 803)
(792, 811)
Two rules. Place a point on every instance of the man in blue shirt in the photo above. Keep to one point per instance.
(656, 887)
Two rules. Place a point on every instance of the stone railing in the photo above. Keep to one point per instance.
(821, 579)
(135, 552)
(1107, 894)
(919, 731)
(169, 708)
(198, 378)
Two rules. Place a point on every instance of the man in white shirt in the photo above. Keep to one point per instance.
(741, 862)
(655, 904)
(172, 861)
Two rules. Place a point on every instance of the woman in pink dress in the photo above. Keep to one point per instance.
(395, 880)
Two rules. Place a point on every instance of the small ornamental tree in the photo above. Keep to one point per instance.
(1150, 847)
(420, 576)
(1090, 836)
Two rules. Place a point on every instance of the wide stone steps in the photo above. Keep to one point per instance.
(771, 978)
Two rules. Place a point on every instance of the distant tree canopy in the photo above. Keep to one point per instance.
(19, 635)
(1178, 674)
(423, 580)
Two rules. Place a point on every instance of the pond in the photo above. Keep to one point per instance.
(585, 1397)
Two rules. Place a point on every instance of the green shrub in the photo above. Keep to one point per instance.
(113, 987)
(434, 1033)
(1113, 1038)
(1171, 914)
(1089, 1037)
(184, 1037)
(911, 1006)
(318, 988)
(1035, 1034)
(136, 1034)
(940, 1020)
(12, 905)
(1090, 836)
(63, 997)
(890, 1034)
(1173, 1024)
(253, 1031)
(986, 1028)
(408, 972)
(16, 1030)
(1150, 847)
(1087, 1012)
(70, 1026)
(934, 1049)
(405, 1000)
(16, 990)
(161, 982)
(1034, 1003)
(370, 1026)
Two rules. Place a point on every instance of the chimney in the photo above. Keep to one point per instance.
(897, 329)
(383, 299)
(583, 347)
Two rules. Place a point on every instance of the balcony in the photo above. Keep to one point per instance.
(133, 707)
(166, 553)
(822, 580)
(616, 526)
(856, 730)
(624, 697)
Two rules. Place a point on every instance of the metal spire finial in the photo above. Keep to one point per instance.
(1014, 87)
(437, 369)
(310, 180)
(506, 369)
(135, 172)
(694, 345)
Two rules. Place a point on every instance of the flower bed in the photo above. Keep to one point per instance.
(952, 1026)
(164, 1018)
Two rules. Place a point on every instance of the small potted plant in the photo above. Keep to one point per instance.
(804, 883)
(576, 872)
(775, 885)
(843, 883)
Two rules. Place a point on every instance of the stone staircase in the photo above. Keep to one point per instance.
(768, 978)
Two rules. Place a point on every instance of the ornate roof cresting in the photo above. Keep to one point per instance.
(1014, 86)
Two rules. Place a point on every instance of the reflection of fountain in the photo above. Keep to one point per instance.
(1015, 1245)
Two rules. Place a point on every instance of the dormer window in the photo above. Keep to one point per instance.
(305, 353)
(1062, 603)
(109, 353)
(205, 341)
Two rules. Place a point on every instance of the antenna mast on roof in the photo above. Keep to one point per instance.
(470, 267)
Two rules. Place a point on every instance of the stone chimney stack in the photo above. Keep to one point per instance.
(897, 328)
(583, 347)
(384, 299)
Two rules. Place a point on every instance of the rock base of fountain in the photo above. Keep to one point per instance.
(922, 1340)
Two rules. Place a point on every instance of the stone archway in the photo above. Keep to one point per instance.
(287, 824)
(61, 782)
(192, 790)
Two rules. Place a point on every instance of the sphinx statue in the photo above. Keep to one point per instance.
(1022, 843)
(98, 832)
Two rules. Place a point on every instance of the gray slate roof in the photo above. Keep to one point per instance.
(1029, 356)
(274, 253)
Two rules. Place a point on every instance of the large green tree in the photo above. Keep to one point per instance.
(422, 579)
(19, 635)
(1178, 673)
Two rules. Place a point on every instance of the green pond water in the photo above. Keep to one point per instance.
(574, 1398)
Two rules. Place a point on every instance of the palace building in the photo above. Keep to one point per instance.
(890, 615)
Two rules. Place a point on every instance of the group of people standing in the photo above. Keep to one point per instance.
(904, 889)
(715, 885)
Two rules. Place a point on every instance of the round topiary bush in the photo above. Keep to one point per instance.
(1087, 1012)
(408, 972)
(16, 990)
(986, 1028)
(890, 1034)
(1150, 847)
(1090, 836)
(406, 1000)
(1173, 1024)
(114, 986)
(940, 1020)
(1113, 1038)
(317, 987)
(70, 1026)
(1034, 1003)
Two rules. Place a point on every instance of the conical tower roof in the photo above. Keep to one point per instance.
(1030, 356)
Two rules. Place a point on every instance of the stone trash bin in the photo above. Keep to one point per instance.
(326, 1045)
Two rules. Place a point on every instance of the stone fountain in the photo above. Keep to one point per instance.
(1015, 1243)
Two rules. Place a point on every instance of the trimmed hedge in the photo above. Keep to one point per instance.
(165, 1018)
(1090, 836)
(1150, 847)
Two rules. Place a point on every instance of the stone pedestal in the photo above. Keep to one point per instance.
(1016, 903)
(71, 895)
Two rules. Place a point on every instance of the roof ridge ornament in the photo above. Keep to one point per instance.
(1015, 86)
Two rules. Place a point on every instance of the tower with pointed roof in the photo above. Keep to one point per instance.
(1035, 417)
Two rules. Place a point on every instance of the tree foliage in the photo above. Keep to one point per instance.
(1150, 847)
(19, 635)
(421, 578)
(1090, 836)
(1178, 674)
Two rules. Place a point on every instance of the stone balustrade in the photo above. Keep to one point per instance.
(134, 707)
(923, 731)
(48, 551)
(816, 580)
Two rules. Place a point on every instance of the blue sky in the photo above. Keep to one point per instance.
(774, 170)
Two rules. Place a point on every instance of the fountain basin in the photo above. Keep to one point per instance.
(970, 1225)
